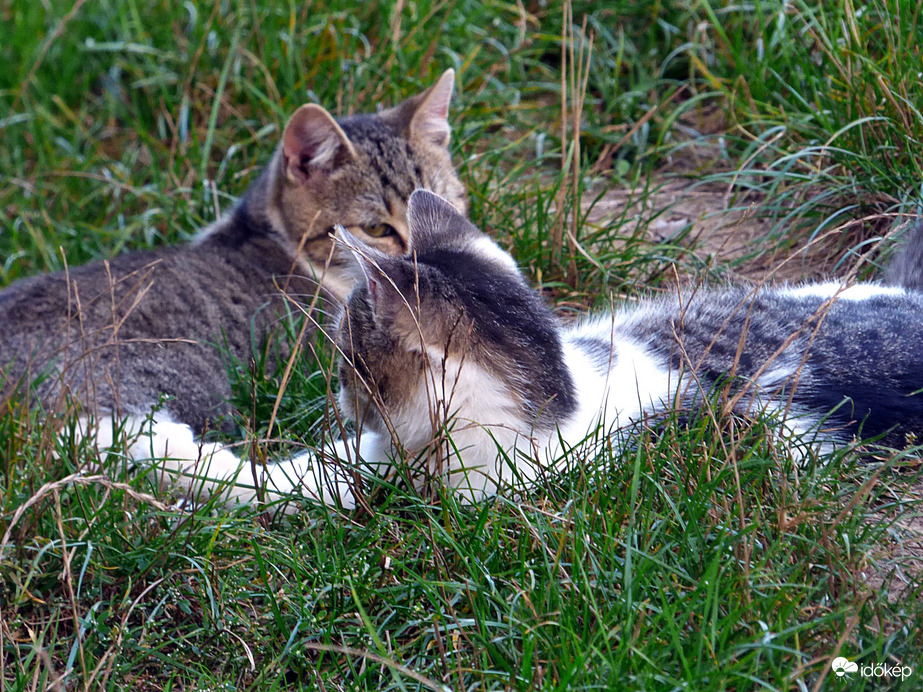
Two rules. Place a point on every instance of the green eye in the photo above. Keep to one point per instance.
(380, 230)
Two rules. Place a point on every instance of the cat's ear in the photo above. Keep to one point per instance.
(425, 117)
(430, 122)
(313, 142)
(434, 222)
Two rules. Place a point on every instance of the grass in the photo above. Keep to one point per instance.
(700, 558)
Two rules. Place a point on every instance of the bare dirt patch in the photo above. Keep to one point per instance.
(898, 565)
(721, 230)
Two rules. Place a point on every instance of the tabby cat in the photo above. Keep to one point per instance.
(121, 335)
(451, 358)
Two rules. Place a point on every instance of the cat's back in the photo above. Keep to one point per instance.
(46, 301)
(183, 289)
(144, 325)
(825, 343)
(714, 316)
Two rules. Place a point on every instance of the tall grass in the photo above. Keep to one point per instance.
(825, 104)
(701, 557)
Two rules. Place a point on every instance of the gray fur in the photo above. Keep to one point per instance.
(120, 334)
(814, 354)
(837, 363)
(454, 301)
(450, 359)
(906, 267)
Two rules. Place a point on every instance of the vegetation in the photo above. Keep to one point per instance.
(703, 557)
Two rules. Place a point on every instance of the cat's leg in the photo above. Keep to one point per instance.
(202, 469)
(172, 452)
(330, 475)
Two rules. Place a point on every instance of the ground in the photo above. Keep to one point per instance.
(744, 142)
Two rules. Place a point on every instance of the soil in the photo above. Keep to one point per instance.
(720, 230)
(898, 565)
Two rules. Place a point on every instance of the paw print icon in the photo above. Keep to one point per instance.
(841, 666)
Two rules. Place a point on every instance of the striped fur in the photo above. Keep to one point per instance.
(452, 362)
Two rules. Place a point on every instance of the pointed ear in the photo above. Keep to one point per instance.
(434, 222)
(430, 122)
(425, 117)
(313, 142)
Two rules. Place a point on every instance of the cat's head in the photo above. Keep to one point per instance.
(454, 306)
(359, 172)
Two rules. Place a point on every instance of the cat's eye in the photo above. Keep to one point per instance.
(380, 230)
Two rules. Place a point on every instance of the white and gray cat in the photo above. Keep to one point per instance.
(119, 336)
(450, 357)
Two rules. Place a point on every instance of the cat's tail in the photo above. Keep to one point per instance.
(906, 267)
